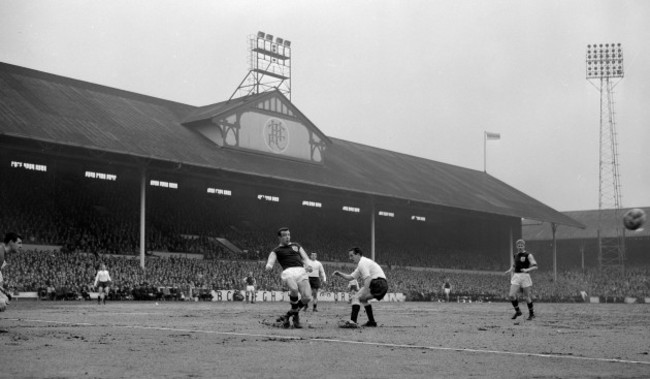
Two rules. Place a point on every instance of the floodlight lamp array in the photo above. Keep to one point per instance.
(604, 61)
(269, 37)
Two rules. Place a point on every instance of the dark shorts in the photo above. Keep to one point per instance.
(378, 288)
(314, 282)
(103, 284)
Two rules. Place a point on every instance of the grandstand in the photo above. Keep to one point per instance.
(243, 167)
(100, 171)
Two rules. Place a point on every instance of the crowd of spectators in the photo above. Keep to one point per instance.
(61, 274)
(97, 221)
(102, 217)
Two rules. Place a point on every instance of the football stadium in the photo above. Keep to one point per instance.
(145, 237)
(181, 203)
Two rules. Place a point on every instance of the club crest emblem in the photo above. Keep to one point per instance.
(276, 135)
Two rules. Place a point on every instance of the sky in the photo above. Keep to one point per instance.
(421, 77)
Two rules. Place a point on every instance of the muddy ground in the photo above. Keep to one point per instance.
(233, 340)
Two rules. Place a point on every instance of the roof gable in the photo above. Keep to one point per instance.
(266, 123)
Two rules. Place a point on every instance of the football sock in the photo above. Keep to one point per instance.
(530, 307)
(515, 303)
(355, 312)
(368, 308)
(294, 302)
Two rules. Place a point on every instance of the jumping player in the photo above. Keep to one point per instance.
(104, 280)
(524, 263)
(374, 282)
(295, 265)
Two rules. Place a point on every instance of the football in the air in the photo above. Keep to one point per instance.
(634, 219)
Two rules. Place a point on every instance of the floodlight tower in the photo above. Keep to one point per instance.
(605, 66)
(269, 66)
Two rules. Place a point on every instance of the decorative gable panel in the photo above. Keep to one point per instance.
(267, 124)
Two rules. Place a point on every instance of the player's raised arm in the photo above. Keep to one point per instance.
(271, 261)
(321, 273)
(342, 275)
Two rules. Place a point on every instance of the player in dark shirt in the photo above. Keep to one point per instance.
(524, 262)
(250, 287)
(295, 265)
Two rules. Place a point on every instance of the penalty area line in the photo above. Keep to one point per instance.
(340, 341)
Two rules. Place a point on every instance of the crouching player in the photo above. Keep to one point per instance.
(295, 265)
(374, 286)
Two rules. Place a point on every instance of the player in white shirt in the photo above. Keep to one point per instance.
(104, 280)
(374, 286)
(12, 243)
(317, 277)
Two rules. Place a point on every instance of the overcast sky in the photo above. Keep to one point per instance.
(421, 77)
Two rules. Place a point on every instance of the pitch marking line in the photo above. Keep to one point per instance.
(499, 352)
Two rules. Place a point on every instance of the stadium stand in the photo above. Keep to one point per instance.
(68, 127)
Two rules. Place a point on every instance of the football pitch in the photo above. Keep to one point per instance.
(234, 340)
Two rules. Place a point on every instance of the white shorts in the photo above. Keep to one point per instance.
(522, 280)
(297, 274)
(447, 291)
(250, 288)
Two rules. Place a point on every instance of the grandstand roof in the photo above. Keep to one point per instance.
(611, 221)
(44, 107)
